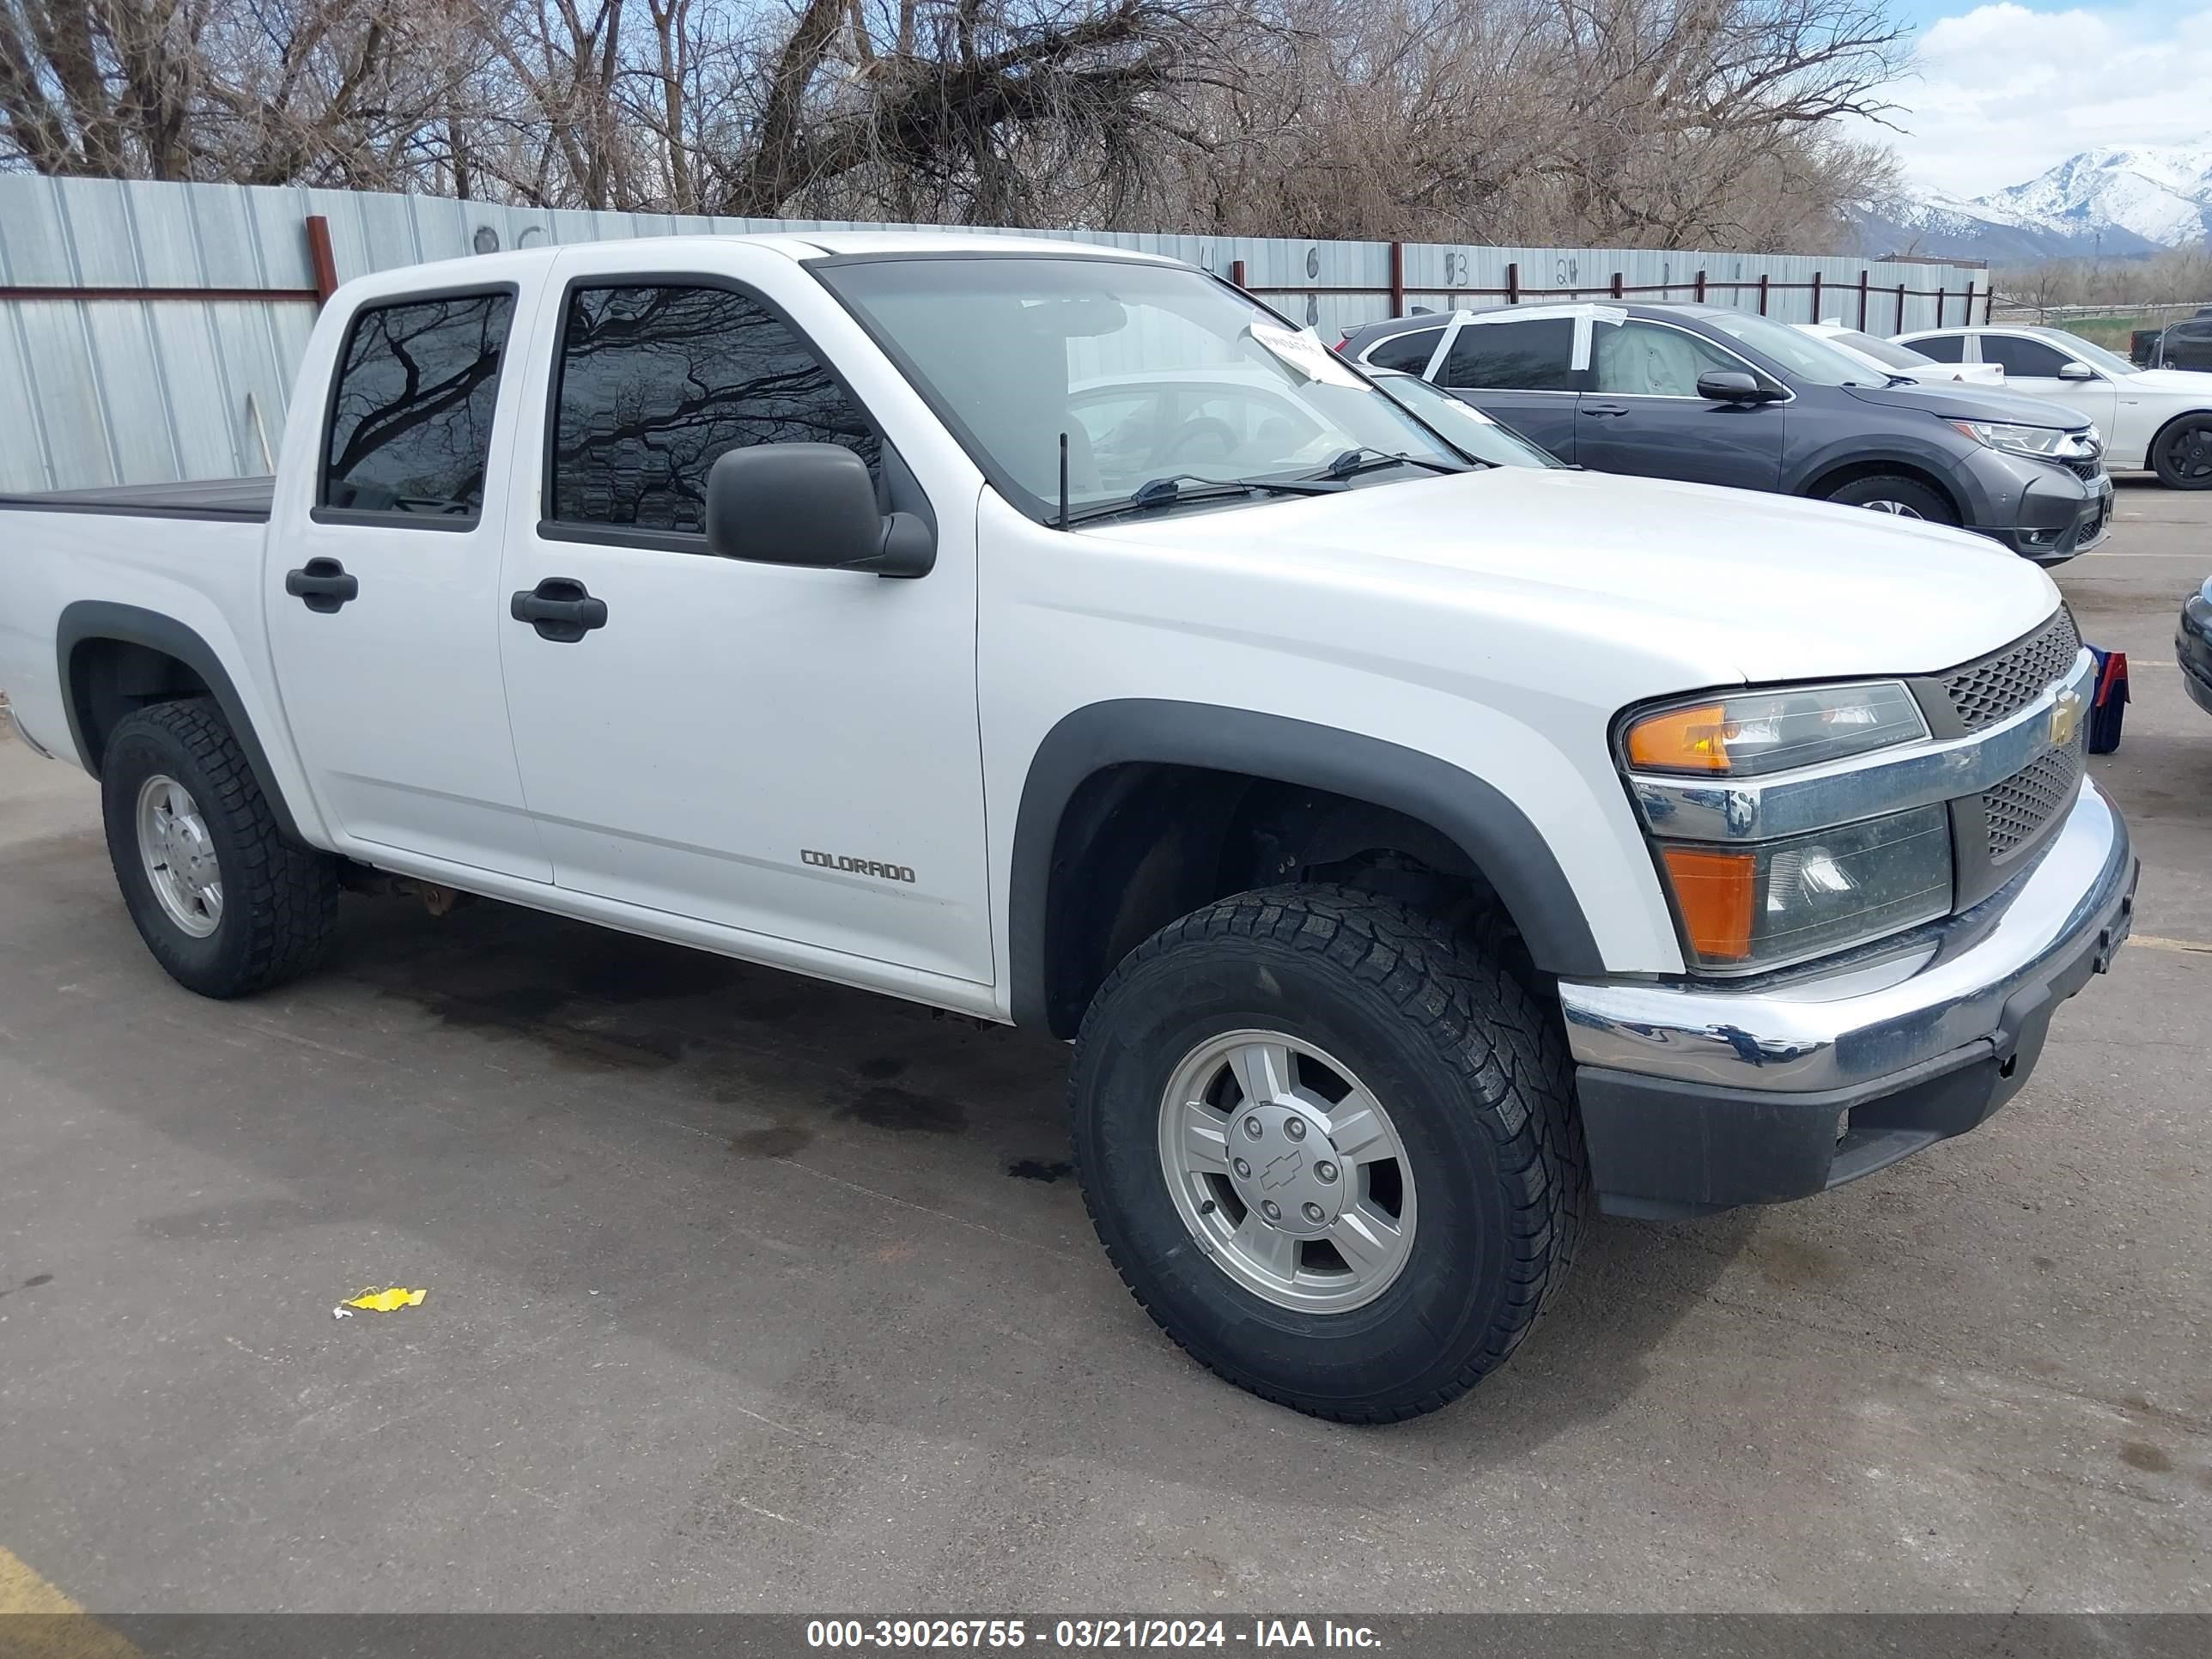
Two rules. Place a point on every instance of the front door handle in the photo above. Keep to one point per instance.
(561, 609)
(323, 584)
(1605, 409)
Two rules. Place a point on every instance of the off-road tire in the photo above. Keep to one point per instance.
(1473, 1070)
(280, 901)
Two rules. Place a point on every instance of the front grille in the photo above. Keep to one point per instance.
(2017, 810)
(2005, 682)
(2090, 469)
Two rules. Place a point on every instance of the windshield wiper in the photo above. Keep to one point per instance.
(1156, 493)
(1353, 462)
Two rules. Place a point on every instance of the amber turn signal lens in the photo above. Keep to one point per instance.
(1715, 893)
(1681, 741)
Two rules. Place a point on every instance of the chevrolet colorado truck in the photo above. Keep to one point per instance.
(1420, 853)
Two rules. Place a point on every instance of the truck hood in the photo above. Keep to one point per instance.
(1957, 401)
(1727, 584)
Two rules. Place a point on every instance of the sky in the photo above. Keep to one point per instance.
(2001, 92)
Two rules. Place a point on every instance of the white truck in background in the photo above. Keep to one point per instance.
(1417, 849)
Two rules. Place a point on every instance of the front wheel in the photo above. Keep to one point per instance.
(225, 905)
(1896, 495)
(1332, 1150)
(2181, 455)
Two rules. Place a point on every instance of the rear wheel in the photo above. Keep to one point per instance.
(1332, 1150)
(2181, 455)
(1894, 492)
(225, 905)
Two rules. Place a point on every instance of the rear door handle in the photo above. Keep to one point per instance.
(323, 584)
(1605, 409)
(561, 609)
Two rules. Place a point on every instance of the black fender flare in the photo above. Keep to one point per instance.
(1483, 824)
(102, 619)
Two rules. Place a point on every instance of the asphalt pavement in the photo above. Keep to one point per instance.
(750, 1293)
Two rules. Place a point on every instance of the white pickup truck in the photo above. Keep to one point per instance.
(1417, 849)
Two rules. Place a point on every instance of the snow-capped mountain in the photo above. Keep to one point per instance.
(2111, 201)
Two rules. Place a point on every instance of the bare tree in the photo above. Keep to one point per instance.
(1665, 122)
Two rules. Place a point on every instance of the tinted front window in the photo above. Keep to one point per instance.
(410, 425)
(657, 382)
(1536, 356)
(2089, 351)
(1941, 347)
(1410, 351)
(2023, 356)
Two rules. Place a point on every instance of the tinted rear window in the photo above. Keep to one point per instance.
(410, 423)
(1536, 356)
(1409, 351)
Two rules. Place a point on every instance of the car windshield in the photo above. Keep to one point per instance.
(1807, 358)
(1152, 372)
(1904, 359)
(1467, 428)
(2087, 352)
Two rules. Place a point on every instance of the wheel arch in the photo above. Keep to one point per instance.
(1837, 474)
(1087, 782)
(114, 659)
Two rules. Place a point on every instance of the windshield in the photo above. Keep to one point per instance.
(1904, 359)
(1152, 372)
(1467, 428)
(1807, 358)
(2088, 351)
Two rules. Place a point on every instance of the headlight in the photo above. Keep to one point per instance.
(2045, 443)
(1758, 731)
(1782, 902)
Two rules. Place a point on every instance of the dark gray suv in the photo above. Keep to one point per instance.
(1713, 396)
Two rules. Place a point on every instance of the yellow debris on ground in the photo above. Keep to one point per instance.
(387, 1301)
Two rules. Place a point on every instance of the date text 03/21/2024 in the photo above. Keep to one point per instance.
(1259, 1635)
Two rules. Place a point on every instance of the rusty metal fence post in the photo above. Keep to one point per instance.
(321, 257)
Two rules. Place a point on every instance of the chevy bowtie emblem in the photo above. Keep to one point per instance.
(2065, 718)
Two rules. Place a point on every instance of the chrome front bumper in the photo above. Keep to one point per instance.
(1935, 991)
(1698, 1098)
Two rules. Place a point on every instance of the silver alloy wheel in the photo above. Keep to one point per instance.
(1288, 1172)
(179, 854)
(1897, 508)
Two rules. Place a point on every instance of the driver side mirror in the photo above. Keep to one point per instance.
(2073, 370)
(811, 505)
(1735, 386)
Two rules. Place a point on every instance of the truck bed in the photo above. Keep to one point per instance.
(245, 500)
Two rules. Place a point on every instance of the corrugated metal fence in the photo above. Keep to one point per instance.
(148, 331)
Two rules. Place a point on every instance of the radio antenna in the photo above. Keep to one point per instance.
(1063, 481)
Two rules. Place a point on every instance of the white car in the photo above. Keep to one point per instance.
(2159, 419)
(1892, 358)
(1418, 853)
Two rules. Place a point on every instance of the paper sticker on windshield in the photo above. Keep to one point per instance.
(1302, 350)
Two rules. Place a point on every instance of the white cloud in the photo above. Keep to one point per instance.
(2000, 93)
